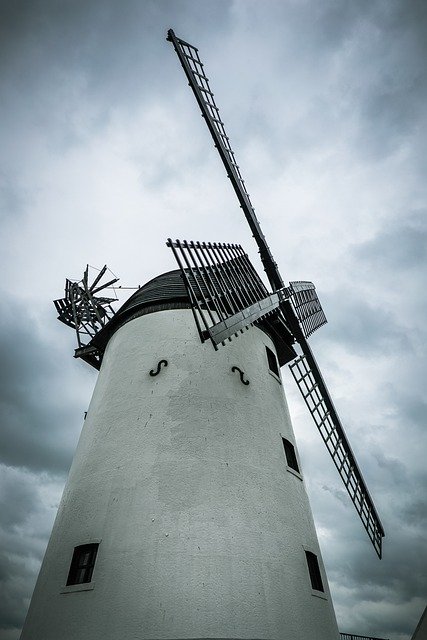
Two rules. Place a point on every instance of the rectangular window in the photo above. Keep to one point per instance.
(291, 457)
(314, 571)
(272, 362)
(82, 564)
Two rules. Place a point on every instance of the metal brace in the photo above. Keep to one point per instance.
(159, 366)
(233, 369)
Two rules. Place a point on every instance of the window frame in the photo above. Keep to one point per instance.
(81, 572)
(289, 448)
(314, 573)
(272, 361)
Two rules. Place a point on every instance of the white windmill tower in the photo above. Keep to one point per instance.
(185, 513)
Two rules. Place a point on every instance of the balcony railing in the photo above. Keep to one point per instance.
(352, 636)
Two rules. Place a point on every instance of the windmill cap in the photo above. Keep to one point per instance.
(167, 291)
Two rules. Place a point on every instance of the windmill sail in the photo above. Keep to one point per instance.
(199, 83)
(316, 396)
(307, 307)
(225, 291)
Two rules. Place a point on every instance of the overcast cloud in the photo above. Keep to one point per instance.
(104, 155)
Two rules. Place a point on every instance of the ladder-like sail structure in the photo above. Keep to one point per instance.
(316, 396)
(199, 83)
(226, 293)
(307, 307)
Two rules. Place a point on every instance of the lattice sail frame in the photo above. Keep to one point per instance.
(329, 425)
(307, 306)
(225, 291)
(199, 83)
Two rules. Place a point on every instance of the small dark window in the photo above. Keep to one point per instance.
(82, 564)
(314, 571)
(291, 457)
(272, 362)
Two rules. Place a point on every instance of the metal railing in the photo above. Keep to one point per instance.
(352, 636)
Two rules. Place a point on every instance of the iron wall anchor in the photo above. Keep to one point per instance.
(242, 380)
(159, 366)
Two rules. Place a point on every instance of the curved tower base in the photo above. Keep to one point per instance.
(182, 485)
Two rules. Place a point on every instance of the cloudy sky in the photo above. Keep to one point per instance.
(104, 155)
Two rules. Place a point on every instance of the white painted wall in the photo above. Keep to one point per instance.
(182, 478)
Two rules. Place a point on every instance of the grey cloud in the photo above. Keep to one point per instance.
(389, 97)
(339, 494)
(112, 47)
(403, 245)
(397, 472)
(383, 48)
(366, 318)
(25, 523)
(394, 113)
(13, 199)
(35, 430)
(404, 581)
(412, 408)
(402, 513)
(415, 513)
(362, 327)
(396, 581)
(16, 502)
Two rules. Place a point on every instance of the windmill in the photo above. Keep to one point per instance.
(185, 513)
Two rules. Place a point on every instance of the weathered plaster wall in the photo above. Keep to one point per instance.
(182, 478)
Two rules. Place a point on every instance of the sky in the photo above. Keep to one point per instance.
(104, 156)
